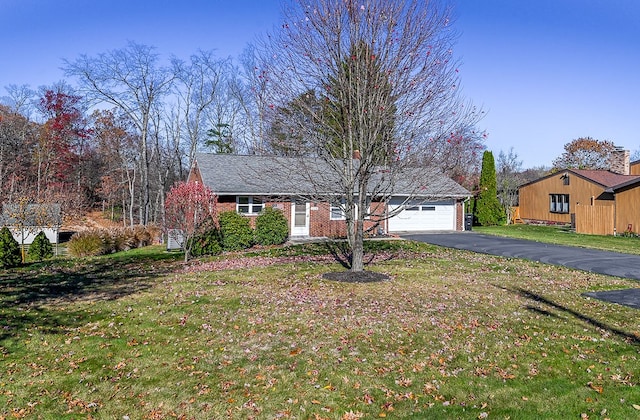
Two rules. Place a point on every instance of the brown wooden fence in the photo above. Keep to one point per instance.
(594, 220)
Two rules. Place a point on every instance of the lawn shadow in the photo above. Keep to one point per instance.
(342, 254)
(26, 290)
(629, 337)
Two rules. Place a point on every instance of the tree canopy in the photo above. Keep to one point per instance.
(585, 153)
(379, 85)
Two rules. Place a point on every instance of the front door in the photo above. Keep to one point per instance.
(300, 218)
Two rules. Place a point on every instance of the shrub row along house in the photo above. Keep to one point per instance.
(603, 202)
(248, 183)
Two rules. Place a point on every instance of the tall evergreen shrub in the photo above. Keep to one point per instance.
(488, 210)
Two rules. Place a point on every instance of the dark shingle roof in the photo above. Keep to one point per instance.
(229, 174)
(45, 215)
(605, 178)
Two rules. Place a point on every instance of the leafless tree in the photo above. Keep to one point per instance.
(246, 94)
(131, 80)
(199, 83)
(387, 81)
(508, 179)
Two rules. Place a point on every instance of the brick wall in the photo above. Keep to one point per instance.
(459, 216)
(320, 223)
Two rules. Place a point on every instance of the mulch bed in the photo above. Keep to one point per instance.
(356, 276)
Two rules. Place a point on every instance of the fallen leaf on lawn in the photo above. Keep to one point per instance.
(595, 387)
(636, 406)
(352, 416)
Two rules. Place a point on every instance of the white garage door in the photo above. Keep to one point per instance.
(419, 216)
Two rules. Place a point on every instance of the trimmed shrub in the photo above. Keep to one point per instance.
(271, 227)
(208, 242)
(88, 243)
(40, 248)
(10, 255)
(235, 231)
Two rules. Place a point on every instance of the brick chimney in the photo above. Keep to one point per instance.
(619, 161)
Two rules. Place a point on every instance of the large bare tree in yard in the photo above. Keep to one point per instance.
(131, 80)
(385, 82)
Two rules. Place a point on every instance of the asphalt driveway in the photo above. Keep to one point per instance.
(602, 262)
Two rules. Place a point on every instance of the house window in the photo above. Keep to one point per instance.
(248, 205)
(336, 212)
(565, 179)
(559, 203)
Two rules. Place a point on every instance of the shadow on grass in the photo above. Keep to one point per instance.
(343, 255)
(629, 337)
(24, 291)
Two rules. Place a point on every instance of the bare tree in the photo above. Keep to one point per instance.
(250, 93)
(131, 80)
(508, 179)
(200, 82)
(385, 73)
(17, 136)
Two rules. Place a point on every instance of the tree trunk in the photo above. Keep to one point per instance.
(357, 250)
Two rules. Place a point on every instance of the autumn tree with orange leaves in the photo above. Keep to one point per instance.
(585, 153)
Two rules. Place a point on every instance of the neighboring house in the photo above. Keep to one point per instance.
(26, 221)
(601, 202)
(247, 184)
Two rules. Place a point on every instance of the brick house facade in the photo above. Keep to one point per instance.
(241, 185)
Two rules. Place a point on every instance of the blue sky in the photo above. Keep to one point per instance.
(546, 71)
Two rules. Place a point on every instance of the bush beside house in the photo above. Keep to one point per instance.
(272, 227)
(208, 242)
(235, 231)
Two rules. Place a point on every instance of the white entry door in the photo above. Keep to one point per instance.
(299, 218)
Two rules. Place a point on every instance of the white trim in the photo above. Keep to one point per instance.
(251, 204)
(300, 229)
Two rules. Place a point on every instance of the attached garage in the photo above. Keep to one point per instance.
(422, 216)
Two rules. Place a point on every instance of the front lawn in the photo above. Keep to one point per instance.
(564, 236)
(453, 334)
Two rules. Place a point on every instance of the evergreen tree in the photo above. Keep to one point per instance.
(488, 210)
(10, 255)
(40, 248)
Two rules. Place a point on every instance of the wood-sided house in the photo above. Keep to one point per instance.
(603, 202)
(248, 183)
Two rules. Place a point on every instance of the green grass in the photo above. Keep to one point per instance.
(564, 236)
(452, 335)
